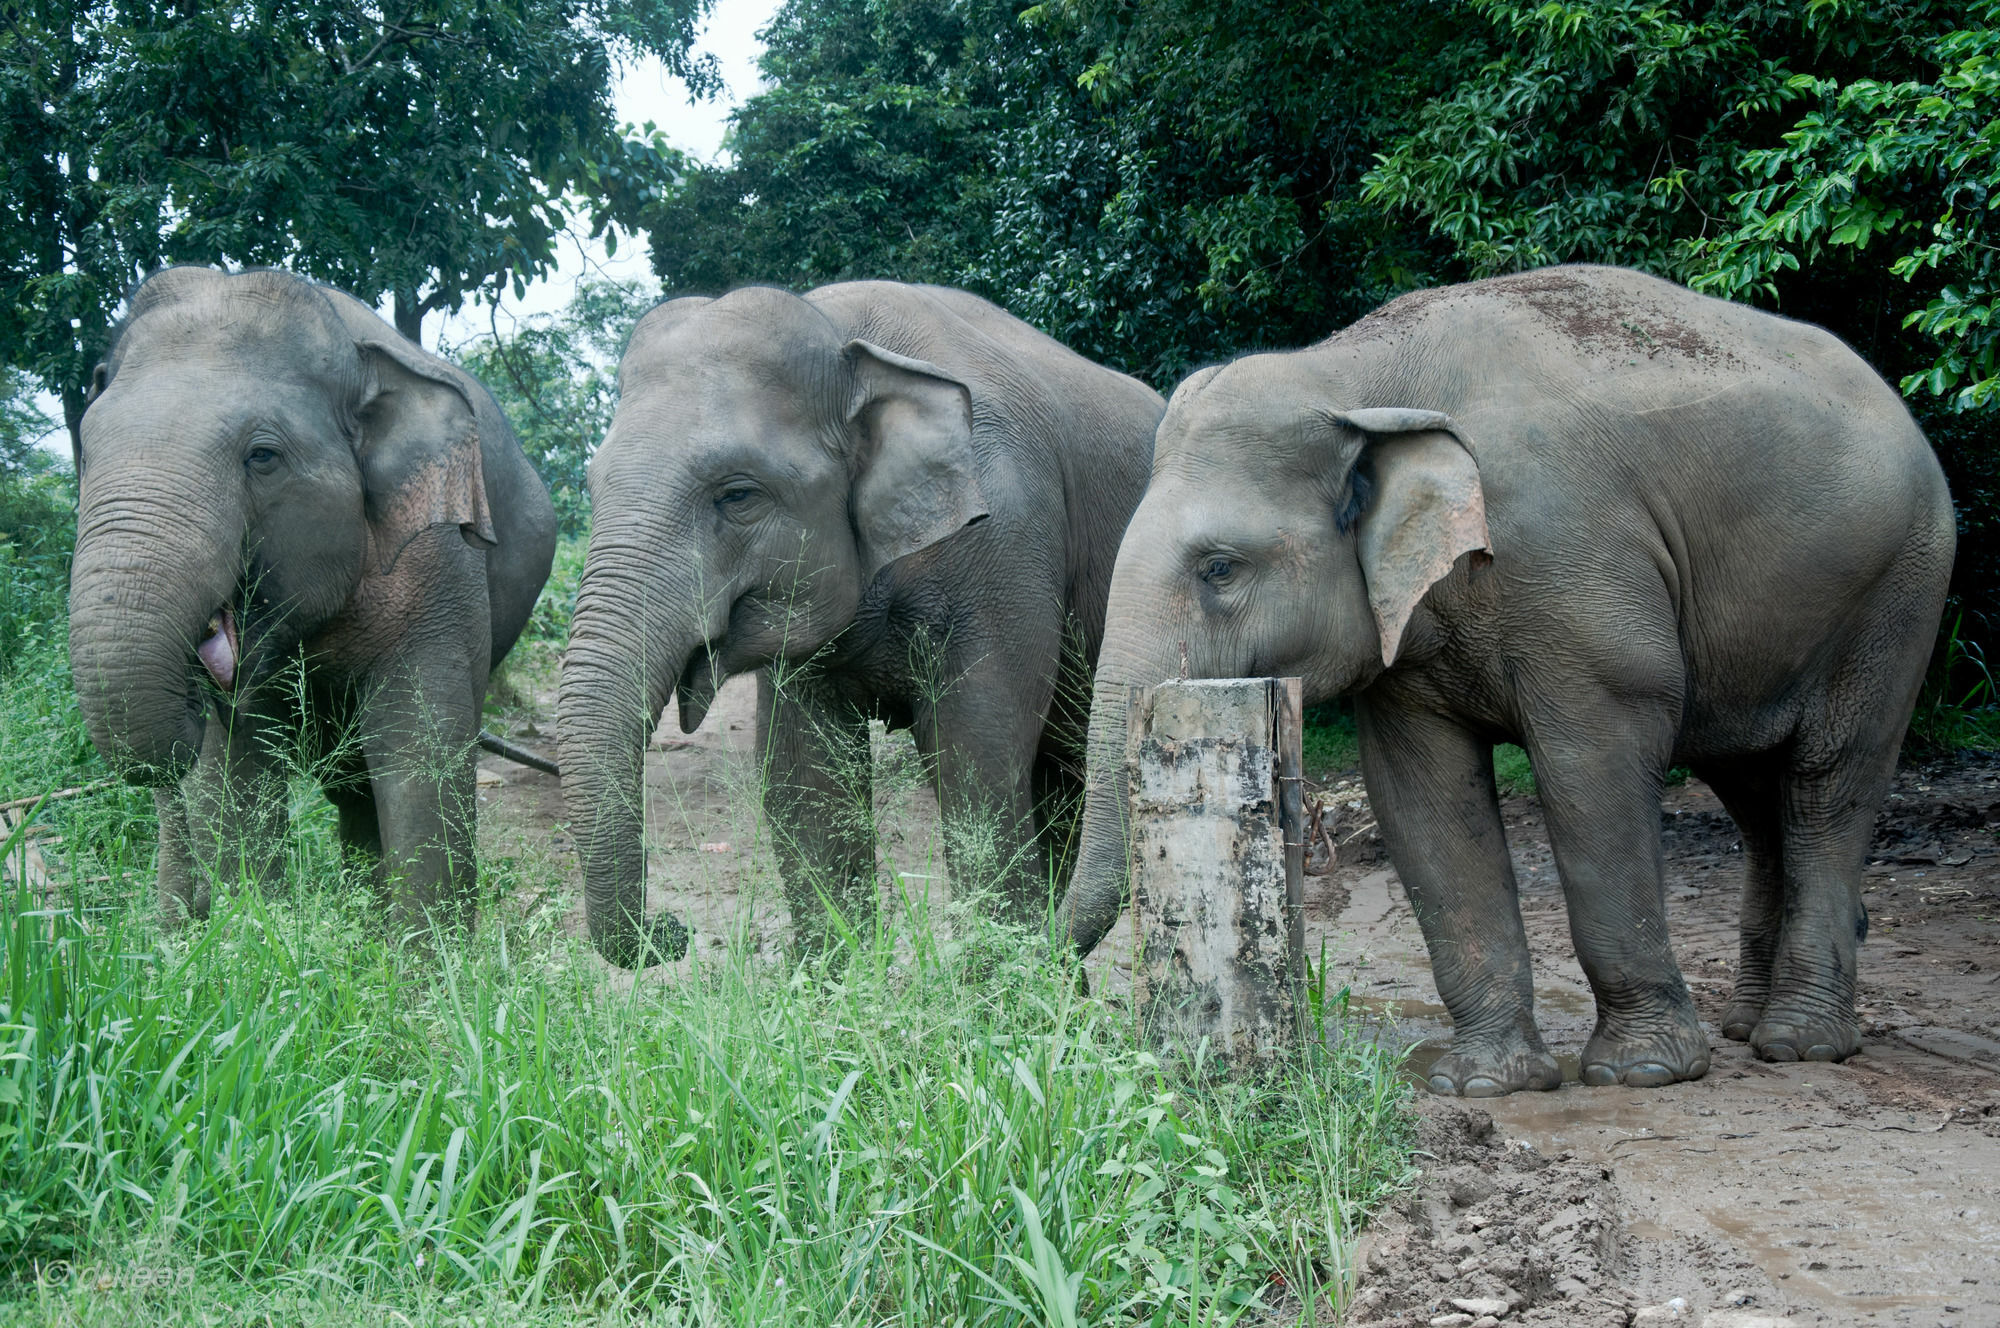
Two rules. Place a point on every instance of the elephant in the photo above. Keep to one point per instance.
(299, 536)
(892, 501)
(1588, 511)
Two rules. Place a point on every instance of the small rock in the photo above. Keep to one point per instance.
(1451, 1321)
(1740, 1297)
(1441, 1272)
(1482, 1308)
(1672, 1311)
(1486, 1321)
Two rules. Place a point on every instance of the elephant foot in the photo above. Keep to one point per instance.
(1792, 1035)
(1646, 1058)
(1476, 1068)
(1741, 1020)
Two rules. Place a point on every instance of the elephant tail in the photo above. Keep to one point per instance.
(499, 746)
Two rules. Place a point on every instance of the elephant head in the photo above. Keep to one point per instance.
(1282, 533)
(761, 470)
(245, 462)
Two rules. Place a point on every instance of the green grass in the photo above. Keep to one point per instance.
(285, 1116)
(283, 1100)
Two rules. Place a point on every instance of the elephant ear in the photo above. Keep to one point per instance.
(916, 480)
(419, 452)
(1427, 511)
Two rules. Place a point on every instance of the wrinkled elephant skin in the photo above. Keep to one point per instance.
(270, 477)
(895, 501)
(1588, 511)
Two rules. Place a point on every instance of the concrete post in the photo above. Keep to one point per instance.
(1218, 864)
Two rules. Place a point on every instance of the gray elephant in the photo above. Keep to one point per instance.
(907, 500)
(1588, 511)
(268, 471)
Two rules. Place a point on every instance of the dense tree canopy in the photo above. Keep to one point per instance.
(1163, 182)
(1155, 184)
(417, 151)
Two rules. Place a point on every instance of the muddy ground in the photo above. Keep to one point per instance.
(1864, 1193)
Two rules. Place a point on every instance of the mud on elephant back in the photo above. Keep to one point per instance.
(297, 533)
(1592, 513)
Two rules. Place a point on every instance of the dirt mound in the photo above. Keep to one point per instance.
(1497, 1231)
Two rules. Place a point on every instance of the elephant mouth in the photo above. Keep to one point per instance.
(702, 677)
(221, 649)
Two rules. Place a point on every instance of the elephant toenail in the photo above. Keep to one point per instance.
(1481, 1086)
(1599, 1075)
(1649, 1074)
(1820, 1051)
(1779, 1051)
(1737, 1032)
(1444, 1086)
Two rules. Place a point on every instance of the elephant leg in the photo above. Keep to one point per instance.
(419, 730)
(982, 733)
(1749, 790)
(1600, 774)
(353, 799)
(184, 890)
(819, 799)
(1827, 817)
(235, 801)
(1431, 785)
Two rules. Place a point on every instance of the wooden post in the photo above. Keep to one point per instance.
(1218, 863)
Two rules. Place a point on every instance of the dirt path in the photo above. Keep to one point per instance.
(1867, 1192)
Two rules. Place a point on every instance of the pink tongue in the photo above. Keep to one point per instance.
(218, 658)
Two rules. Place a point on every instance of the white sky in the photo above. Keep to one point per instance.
(643, 92)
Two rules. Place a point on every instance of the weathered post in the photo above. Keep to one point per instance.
(1218, 863)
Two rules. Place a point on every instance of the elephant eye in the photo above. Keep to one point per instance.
(736, 497)
(261, 459)
(1217, 570)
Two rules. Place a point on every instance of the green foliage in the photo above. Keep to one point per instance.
(868, 157)
(1513, 772)
(22, 425)
(1095, 169)
(557, 379)
(1327, 741)
(417, 153)
(1912, 165)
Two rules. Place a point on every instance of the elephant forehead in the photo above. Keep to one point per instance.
(718, 430)
(195, 400)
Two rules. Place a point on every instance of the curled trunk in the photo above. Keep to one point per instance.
(624, 655)
(143, 584)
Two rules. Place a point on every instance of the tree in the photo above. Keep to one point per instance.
(1154, 184)
(22, 426)
(870, 155)
(557, 379)
(419, 150)
(1835, 160)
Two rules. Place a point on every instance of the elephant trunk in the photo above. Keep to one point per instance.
(146, 585)
(625, 653)
(1097, 888)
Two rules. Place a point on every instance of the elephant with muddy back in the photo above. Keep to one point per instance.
(902, 500)
(268, 474)
(1587, 511)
